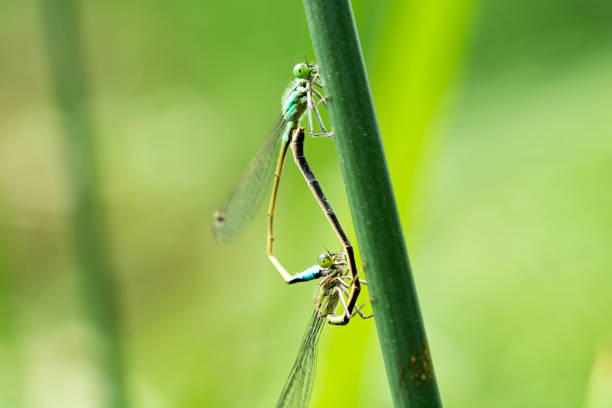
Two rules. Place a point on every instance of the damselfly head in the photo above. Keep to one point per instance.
(325, 260)
(304, 71)
(331, 261)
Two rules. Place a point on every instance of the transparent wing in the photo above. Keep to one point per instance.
(240, 206)
(297, 389)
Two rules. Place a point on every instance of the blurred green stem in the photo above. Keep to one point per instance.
(381, 241)
(61, 30)
(11, 375)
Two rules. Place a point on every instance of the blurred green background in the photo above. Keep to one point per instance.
(496, 118)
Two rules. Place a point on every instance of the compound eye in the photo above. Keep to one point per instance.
(301, 71)
(325, 261)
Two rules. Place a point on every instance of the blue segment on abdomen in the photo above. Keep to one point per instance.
(311, 273)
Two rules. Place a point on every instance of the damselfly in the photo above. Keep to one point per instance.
(238, 209)
(242, 202)
(331, 291)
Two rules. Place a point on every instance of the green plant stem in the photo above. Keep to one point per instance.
(11, 374)
(60, 22)
(364, 168)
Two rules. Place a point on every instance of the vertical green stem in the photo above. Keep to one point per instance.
(381, 241)
(10, 356)
(62, 34)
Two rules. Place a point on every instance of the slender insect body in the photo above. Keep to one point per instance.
(340, 285)
(334, 270)
(237, 211)
(298, 98)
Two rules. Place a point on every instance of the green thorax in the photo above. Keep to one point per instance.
(295, 98)
(327, 297)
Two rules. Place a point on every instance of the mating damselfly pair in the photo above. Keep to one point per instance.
(338, 272)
